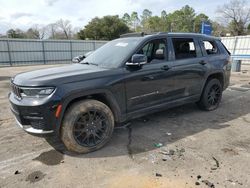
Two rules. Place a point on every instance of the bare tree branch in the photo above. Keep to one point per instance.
(236, 14)
(65, 27)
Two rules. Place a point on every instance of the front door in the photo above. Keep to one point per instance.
(152, 83)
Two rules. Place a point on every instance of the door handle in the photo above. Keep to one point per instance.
(165, 67)
(203, 62)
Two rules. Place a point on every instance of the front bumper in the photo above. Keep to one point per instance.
(33, 115)
(32, 130)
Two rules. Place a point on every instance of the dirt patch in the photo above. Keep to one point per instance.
(230, 151)
(35, 176)
(140, 181)
(2, 121)
(50, 158)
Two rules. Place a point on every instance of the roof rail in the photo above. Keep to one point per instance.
(161, 33)
(140, 34)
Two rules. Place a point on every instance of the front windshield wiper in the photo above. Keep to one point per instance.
(88, 63)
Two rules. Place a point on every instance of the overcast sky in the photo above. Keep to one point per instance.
(26, 13)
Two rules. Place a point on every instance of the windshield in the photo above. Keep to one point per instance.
(113, 53)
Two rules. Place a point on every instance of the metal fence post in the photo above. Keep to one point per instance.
(8, 48)
(94, 45)
(71, 50)
(235, 44)
(44, 60)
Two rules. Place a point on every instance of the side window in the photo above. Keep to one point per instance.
(147, 49)
(154, 50)
(184, 48)
(210, 47)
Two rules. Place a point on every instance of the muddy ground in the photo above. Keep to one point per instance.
(200, 149)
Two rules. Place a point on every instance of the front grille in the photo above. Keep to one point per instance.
(16, 90)
(37, 124)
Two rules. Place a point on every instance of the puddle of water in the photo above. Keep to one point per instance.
(50, 158)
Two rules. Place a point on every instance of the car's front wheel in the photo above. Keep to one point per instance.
(211, 95)
(87, 126)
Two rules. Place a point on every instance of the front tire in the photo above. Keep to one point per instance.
(211, 95)
(87, 126)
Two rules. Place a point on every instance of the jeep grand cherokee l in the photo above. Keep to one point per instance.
(126, 78)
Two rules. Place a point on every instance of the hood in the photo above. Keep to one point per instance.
(57, 75)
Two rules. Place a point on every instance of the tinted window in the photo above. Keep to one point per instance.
(210, 47)
(113, 53)
(154, 50)
(184, 48)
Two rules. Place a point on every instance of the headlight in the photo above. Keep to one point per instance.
(36, 92)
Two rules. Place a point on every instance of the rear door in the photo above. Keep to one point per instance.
(188, 65)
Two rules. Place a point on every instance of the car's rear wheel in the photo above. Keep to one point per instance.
(211, 95)
(87, 126)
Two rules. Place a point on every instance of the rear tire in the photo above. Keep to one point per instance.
(211, 95)
(87, 126)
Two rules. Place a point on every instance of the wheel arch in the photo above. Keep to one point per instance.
(218, 75)
(103, 96)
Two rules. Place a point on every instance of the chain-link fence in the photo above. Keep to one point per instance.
(15, 52)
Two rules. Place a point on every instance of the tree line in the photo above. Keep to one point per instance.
(61, 29)
(233, 19)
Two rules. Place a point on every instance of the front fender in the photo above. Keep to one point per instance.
(109, 97)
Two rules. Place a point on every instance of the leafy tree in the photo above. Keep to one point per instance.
(146, 15)
(81, 35)
(198, 21)
(165, 21)
(32, 33)
(127, 19)
(163, 14)
(182, 20)
(15, 33)
(248, 29)
(106, 28)
(135, 20)
(154, 24)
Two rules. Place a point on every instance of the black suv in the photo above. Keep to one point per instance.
(126, 78)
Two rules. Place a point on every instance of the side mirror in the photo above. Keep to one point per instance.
(137, 60)
(78, 59)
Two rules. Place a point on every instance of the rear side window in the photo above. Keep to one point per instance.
(211, 47)
(184, 48)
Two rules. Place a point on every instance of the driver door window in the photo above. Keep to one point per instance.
(154, 50)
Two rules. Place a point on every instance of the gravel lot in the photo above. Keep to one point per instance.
(200, 149)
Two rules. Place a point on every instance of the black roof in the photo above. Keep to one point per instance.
(171, 34)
